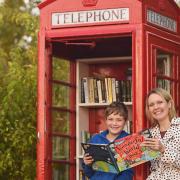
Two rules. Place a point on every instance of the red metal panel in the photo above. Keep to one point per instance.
(44, 149)
(45, 3)
(41, 115)
(139, 70)
(77, 5)
(48, 90)
(73, 120)
(138, 93)
(166, 8)
(167, 44)
(77, 33)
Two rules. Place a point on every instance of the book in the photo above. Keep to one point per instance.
(124, 91)
(99, 89)
(91, 90)
(85, 136)
(82, 91)
(96, 97)
(82, 176)
(110, 95)
(104, 93)
(122, 154)
(128, 90)
(114, 99)
(85, 88)
(106, 89)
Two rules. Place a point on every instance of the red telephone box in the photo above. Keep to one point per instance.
(129, 41)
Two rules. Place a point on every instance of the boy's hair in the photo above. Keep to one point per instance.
(168, 98)
(117, 108)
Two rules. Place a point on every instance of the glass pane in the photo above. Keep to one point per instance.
(165, 84)
(60, 95)
(60, 122)
(61, 69)
(60, 171)
(164, 63)
(60, 148)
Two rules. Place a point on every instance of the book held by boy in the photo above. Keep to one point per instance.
(122, 154)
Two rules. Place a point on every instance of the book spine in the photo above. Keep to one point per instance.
(99, 89)
(91, 90)
(129, 90)
(82, 176)
(85, 136)
(114, 99)
(110, 100)
(103, 88)
(123, 86)
(106, 89)
(82, 91)
(96, 97)
(86, 93)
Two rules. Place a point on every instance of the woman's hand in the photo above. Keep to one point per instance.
(154, 144)
(88, 160)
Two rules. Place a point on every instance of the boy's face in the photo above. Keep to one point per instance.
(115, 124)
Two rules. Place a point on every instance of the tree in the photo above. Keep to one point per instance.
(18, 57)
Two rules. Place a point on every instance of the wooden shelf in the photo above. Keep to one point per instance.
(96, 105)
(103, 60)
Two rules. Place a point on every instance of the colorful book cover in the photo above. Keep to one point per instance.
(121, 154)
(103, 157)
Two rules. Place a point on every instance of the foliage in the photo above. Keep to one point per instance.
(17, 123)
(18, 56)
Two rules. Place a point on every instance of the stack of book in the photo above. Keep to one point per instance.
(105, 90)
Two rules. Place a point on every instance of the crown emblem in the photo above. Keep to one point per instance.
(89, 2)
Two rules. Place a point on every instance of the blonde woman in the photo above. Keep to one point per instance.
(165, 130)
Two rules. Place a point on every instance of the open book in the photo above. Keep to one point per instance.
(121, 154)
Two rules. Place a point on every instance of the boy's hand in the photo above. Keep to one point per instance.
(154, 144)
(88, 160)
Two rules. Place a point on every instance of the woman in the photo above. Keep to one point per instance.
(165, 130)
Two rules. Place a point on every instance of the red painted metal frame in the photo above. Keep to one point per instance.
(41, 115)
(171, 46)
(145, 38)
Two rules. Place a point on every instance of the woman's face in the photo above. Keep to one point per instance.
(158, 107)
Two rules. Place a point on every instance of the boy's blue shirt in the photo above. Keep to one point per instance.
(98, 175)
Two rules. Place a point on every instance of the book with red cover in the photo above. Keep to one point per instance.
(121, 154)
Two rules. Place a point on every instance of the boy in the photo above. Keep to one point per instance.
(116, 115)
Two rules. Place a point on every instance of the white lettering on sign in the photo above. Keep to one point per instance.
(161, 21)
(94, 16)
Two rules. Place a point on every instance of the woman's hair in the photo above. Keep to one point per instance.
(117, 108)
(168, 98)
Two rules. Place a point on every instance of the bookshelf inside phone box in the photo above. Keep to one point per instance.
(91, 112)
